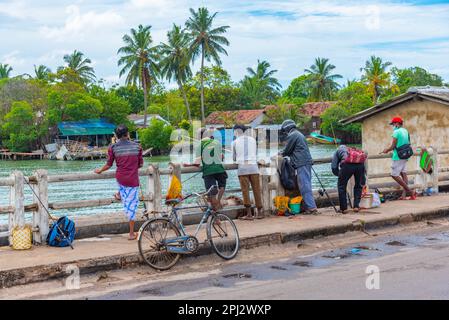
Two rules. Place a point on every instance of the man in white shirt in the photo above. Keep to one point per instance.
(244, 149)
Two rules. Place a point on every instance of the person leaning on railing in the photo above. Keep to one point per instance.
(298, 151)
(244, 151)
(210, 157)
(401, 139)
(128, 158)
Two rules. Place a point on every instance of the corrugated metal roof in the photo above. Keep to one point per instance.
(88, 127)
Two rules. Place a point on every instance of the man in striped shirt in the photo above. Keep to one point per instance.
(128, 158)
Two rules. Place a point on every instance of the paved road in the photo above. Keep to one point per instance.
(412, 264)
(418, 270)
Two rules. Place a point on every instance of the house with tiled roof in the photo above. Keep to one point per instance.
(314, 110)
(227, 119)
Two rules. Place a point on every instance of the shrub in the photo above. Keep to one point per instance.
(156, 135)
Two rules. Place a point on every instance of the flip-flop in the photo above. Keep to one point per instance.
(246, 218)
(259, 217)
(134, 238)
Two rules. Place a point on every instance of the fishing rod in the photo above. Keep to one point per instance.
(323, 189)
(46, 210)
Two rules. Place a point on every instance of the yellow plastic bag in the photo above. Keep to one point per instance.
(296, 200)
(22, 238)
(175, 189)
(281, 204)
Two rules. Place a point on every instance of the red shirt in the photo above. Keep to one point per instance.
(128, 159)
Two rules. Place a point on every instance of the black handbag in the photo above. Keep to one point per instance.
(405, 151)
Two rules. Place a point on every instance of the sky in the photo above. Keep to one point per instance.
(288, 34)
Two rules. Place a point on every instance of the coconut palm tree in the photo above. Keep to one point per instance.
(263, 75)
(41, 72)
(323, 82)
(207, 41)
(80, 66)
(175, 63)
(376, 76)
(5, 71)
(260, 85)
(139, 61)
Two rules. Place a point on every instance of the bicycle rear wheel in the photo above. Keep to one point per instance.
(223, 236)
(152, 248)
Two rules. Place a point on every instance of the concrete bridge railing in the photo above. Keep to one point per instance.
(270, 186)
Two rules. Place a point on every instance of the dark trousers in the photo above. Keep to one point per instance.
(348, 170)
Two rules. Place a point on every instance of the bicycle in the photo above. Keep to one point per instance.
(162, 240)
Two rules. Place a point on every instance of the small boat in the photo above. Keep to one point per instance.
(322, 139)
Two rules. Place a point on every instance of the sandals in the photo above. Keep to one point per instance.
(134, 237)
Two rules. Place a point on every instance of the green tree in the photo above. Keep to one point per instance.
(134, 96)
(171, 108)
(156, 135)
(376, 77)
(5, 71)
(322, 82)
(42, 72)
(259, 85)
(414, 77)
(80, 66)
(19, 126)
(115, 108)
(355, 97)
(82, 106)
(207, 41)
(139, 61)
(299, 89)
(219, 91)
(175, 64)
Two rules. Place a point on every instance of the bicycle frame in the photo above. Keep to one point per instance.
(173, 243)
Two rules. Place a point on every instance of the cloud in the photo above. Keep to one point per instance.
(80, 25)
(13, 59)
(289, 34)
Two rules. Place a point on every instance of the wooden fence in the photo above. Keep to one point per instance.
(270, 186)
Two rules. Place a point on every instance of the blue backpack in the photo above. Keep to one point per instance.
(64, 226)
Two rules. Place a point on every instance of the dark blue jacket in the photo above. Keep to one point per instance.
(297, 149)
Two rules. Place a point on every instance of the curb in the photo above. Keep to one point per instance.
(21, 276)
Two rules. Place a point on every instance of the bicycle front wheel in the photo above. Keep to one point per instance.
(223, 236)
(152, 239)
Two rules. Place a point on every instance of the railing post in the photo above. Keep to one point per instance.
(266, 194)
(420, 177)
(275, 180)
(40, 217)
(17, 218)
(436, 169)
(154, 189)
(367, 169)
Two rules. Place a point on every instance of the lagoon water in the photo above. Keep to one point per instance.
(84, 190)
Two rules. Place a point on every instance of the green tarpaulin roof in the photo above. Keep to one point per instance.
(89, 127)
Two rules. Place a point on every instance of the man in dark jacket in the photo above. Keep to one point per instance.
(298, 151)
(344, 172)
